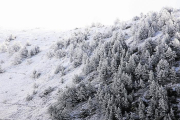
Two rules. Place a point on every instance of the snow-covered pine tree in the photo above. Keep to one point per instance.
(151, 32)
(138, 71)
(141, 109)
(151, 76)
(131, 65)
(170, 56)
(141, 83)
(172, 75)
(150, 111)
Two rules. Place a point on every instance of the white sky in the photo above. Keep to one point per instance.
(69, 14)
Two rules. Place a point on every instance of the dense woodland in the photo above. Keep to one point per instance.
(121, 81)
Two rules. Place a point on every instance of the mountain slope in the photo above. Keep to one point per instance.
(126, 71)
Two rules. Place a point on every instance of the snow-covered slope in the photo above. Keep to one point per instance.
(16, 83)
(37, 65)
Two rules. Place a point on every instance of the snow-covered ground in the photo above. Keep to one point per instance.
(16, 82)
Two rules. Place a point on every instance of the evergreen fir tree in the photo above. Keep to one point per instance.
(170, 55)
(172, 75)
(118, 114)
(150, 111)
(131, 65)
(172, 113)
(152, 88)
(151, 32)
(103, 73)
(151, 76)
(138, 71)
(163, 107)
(142, 85)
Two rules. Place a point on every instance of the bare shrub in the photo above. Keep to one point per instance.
(14, 48)
(36, 74)
(11, 37)
(35, 50)
(17, 60)
(50, 54)
(46, 92)
(58, 45)
(34, 92)
(3, 48)
(23, 52)
(29, 62)
(59, 69)
(77, 79)
(1, 70)
(60, 54)
(35, 86)
(29, 97)
(28, 44)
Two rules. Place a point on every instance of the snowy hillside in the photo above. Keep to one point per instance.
(17, 82)
(126, 71)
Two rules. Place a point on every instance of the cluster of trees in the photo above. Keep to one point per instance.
(70, 98)
(77, 47)
(131, 82)
(59, 69)
(58, 50)
(149, 24)
(18, 51)
(24, 53)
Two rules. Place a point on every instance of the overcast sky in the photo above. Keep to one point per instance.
(69, 14)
